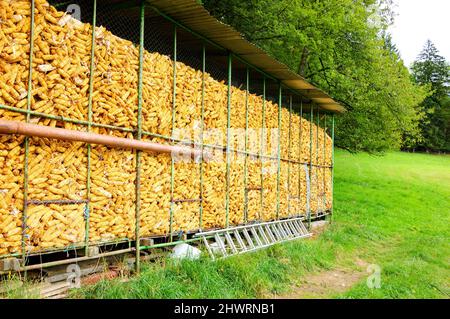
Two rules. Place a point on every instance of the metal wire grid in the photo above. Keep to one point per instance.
(82, 10)
(117, 26)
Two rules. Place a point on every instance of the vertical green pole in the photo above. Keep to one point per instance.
(324, 161)
(300, 158)
(289, 156)
(317, 159)
(311, 122)
(247, 83)
(174, 95)
(263, 129)
(227, 200)
(139, 136)
(89, 146)
(27, 139)
(202, 133)
(332, 168)
(279, 150)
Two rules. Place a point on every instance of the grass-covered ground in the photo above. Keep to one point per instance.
(392, 211)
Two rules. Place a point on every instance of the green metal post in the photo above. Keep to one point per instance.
(263, 129)
(332, 168)
(89, 126)
(202, 133)
(247, 83)
(324, 161)
(27, 139)
(227, 200)
(289, 156)
(139, 137)
(311, 122)
(317, 159)
(300, 158)
(174, 95)
(279, 150)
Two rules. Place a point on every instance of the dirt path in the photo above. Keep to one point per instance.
(326, 284)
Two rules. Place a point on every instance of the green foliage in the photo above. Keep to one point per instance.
(389, 210)
(431, 69)
(342, 46)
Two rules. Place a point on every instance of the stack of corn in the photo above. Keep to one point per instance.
(112, 192)
(155, 193)
(11, 196)
(54, 226)
(58, 170)
(15, 17)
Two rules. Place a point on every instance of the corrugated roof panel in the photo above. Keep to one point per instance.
(194, 16)
(299, 84)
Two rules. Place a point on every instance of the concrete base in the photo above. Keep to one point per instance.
(147, 242)
(93, 251)
(9, 264)
(319, 224)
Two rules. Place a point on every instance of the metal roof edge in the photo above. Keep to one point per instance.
(195, 18)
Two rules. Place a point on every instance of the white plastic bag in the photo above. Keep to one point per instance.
(182, 251)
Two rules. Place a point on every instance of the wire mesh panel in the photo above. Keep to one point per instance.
(315, 169)
(53, 226)
(215, 124)
(286, 171)
(57, 174)
(113, 174)
(158, 75)
(15, 46)
(255, 181)
(115, 100)
(61, 56)
(15, 38)
(238, 105)
(89, 72)
(293, 170)
(12, 155)
(155, 193)
(188, 108)
(270, 150)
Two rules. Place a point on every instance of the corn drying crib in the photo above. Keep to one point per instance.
(211, 75)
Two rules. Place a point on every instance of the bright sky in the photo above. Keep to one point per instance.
(419, 20)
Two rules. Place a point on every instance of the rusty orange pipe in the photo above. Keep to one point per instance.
(27, 129)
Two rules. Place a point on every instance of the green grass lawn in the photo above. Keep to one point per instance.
(392, 211)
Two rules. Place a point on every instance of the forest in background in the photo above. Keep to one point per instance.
(344, 47)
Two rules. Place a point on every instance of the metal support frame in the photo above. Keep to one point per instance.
(227, 196)
(139, 137)
(139, 132)
(317, 160)
(247, 83)
(279, 149)
(289, 155)
(300, 157)
(324, 161)
(263, 130)
(89, 126)
(310, 161)
(174, 97)
(147, 134)
(332, 167)
(202, 147)
(27, 139)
